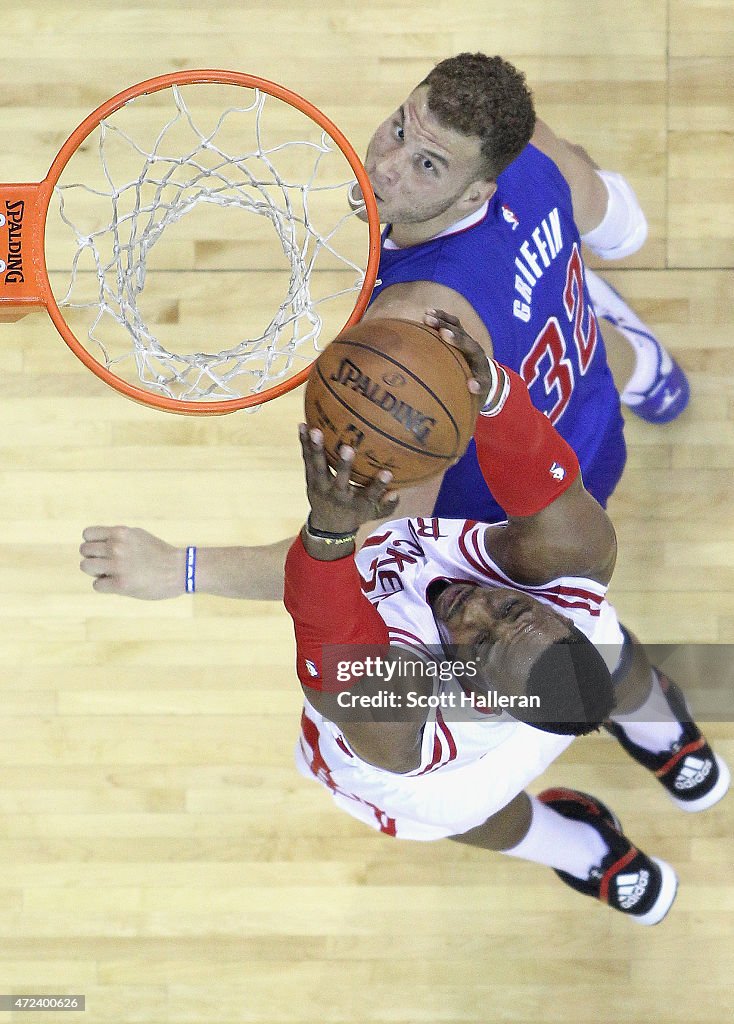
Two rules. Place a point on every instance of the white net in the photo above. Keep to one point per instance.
(202, 330)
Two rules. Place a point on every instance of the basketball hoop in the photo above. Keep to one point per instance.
(214, 142)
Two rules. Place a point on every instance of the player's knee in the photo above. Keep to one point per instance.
(504, 829)
(624, 227)
(631, 677)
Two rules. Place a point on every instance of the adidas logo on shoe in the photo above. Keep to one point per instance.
(631, 888)
(692, 773)
(627, 880)
(694, 776)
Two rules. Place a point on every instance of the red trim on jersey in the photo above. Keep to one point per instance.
(477, 557)
(388, 825)
(408, 639)
(562, 595)
(588, 595)
(341, 743)
(405, 638)
(317, 764)
(320, 769)
(440, 722)
(376, 538)
(578, 605)
(440, 749)
(523, 458)
(437, 754)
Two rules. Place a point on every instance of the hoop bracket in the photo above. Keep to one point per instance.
(23, 284)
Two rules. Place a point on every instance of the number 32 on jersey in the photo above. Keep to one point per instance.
(549, 348)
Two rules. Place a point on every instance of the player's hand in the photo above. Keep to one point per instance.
(337, 505)
(132, 562)
(450, 329)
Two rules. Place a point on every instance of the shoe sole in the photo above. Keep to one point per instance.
(666, 896)
(720, 790)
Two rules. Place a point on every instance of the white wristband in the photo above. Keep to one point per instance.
(498, 391)
(191, 570)
(624, 227)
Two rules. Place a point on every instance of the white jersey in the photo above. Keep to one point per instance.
(397, 565)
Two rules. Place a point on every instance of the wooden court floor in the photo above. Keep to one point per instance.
(158, 851)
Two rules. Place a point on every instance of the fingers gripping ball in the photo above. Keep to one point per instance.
(395, 392)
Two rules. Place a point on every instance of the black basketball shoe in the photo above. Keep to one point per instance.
(629, 881)
(694, 776)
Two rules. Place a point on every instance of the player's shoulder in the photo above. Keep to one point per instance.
(548, 146)
(542, 164)
(580, 598)
(409, 300)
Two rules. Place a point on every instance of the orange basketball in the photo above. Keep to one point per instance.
(395, 392)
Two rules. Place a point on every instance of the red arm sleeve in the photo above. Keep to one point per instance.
(326, 603)
(525, 461)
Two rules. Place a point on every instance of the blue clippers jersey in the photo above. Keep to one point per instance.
(520, 268)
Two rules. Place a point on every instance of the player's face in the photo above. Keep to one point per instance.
(421, 171)
(505, 630)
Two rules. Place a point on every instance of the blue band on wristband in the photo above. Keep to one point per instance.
(190, 570)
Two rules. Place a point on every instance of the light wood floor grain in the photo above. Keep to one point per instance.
(158, 851)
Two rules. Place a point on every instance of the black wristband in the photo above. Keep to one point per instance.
(335, 538)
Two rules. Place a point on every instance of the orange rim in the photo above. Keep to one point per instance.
(88, 125)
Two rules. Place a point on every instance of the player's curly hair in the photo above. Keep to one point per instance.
(484, 96)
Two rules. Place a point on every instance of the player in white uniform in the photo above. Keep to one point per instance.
(525, 599)
(474, 758)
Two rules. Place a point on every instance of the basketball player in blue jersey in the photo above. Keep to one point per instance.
(505, 255)
(484, 206)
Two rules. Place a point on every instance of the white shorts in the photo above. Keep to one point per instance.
(442, 803)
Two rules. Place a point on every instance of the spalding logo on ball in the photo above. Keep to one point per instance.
(395, 392)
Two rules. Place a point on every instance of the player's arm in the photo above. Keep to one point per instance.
(131, 562)
(555, 527)
(410, 300)
(323, 596)
(605, 207)
(134, 563)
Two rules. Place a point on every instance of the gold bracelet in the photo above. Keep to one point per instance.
(329, 538)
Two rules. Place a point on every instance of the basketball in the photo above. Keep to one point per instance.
(395, 392)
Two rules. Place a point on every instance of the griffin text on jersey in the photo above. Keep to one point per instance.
(534, 256)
